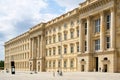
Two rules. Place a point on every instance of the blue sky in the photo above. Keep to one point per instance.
(18, 16)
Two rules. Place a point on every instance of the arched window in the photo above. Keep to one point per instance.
(105, 58)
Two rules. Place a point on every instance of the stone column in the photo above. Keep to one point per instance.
(41, 47)
(112, 29)
(38, 51)
(81, 37)
(88, 34)
(33, 48)
(102, 47)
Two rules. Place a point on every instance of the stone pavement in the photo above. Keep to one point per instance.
(66, 76)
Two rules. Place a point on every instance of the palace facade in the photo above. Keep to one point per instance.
(85, 39)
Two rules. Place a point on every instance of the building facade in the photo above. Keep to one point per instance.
(85, 39)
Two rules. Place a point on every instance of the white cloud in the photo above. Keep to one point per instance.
(14, 11)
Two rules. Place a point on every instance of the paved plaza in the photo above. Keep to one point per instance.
(66, 76)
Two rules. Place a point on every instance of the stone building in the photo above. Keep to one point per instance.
(85, 39)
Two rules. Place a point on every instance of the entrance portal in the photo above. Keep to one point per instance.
(96, 63)
(38, 68)
(82, 68)
(105, 68)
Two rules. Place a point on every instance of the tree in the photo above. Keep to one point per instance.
(1, 63)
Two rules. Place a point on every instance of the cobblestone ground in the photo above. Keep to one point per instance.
(66, 76)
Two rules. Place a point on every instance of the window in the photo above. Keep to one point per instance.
(97, 44)
(59, 50)
(85, 46)
(65, 50)
(49, 40)
(54, 29)
(59, 37)
(59, 64)
(50, 52)
(65, 36)
(71, 63)
(97, 25)
(85, 28)
(78, 21)
(46, 32)
(65, 64)
(72, 34)
(46, 41)
(59, 28)
(49, 64)
(65, 25)
(72, 49)
(54, 39)
(77, 47)
(50, 31)
(72, 23)
(53, 64)
(46, 52)
(77, 32)
(54, 51)
(108, 42)
(108, 21)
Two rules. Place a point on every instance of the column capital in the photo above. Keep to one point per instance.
(112, 9)
(101, 13)
(88, 17)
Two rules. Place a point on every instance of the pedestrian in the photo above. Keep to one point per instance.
(58, 72)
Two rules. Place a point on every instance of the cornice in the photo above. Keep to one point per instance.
(92, 5)
(62, 17)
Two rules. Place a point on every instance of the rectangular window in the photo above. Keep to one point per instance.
(50, 52)
(53, 64)
(78, 21)
(97, 25)
(46, 41)
(65, 36)
(85, 28)
(72, 34)
(46, 52)
(54, 39)
(49, 64)
(50, 40)
(59, 50)
(54, 51)
(65, 25)
(72, 23)
(77, 47)
(97, 44)
(71, 49)
(108, 42)
(65, 64)
(59, 64)
(59, 38)
(108, 21)
(85, 46)
(65, 50)
(77, 32)
(71, 64)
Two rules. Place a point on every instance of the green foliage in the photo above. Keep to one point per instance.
(1, 63)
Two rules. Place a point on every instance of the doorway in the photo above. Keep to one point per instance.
(82, 68)
(38, 68)
(105, 68)
(96, 64)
